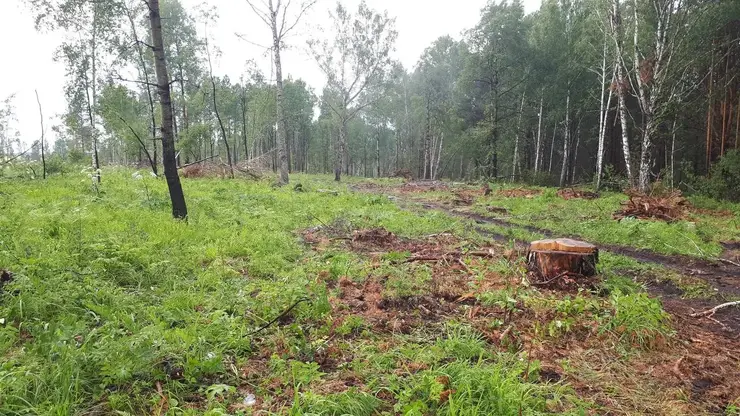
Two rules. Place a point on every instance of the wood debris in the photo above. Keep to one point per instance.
(667, 207)
(570, 193)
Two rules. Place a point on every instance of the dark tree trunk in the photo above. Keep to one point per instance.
(179, 209)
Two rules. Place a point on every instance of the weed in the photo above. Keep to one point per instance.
(639, 320)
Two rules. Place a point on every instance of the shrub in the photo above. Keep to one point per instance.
(724, 181)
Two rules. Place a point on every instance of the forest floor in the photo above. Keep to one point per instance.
(360, 298)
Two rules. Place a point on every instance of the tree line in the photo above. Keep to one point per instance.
(578, 91)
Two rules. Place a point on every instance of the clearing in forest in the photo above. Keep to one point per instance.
(373, 297)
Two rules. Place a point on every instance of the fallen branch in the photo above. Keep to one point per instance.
(465, 266)
(283, 314)
(710, 312)
(729, 262)
(5, 162)
(505, 333)
(200, 161)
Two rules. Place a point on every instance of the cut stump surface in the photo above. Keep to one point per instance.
(551, 259)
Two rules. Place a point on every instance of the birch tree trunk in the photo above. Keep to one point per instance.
(603, 116)
(515, 163)
(539, 134)
(377, 152)
(439, 156)
(621, 84)
(673, 152)
(279, 99)
(179, 209)
(427, 143)
(552, 147)
(566, 142)
(575, 153)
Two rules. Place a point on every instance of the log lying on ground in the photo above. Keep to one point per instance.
(550, 260)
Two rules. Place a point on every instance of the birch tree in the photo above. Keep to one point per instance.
(276, 15)
(91, 26)
(356, 61)
(621, 84)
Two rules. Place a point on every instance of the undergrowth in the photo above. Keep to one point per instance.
(115, 308)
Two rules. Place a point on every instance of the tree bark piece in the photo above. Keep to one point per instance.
(550, 260)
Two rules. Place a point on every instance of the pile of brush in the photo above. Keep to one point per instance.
(667, 206)
(570, 193)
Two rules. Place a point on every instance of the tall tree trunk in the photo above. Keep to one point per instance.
(724, 130)
(218, 115)
(91, 85)
(41, 117)
(439, 156)
(603, 116)
(341, 159)
(179, 209)
(279, 101)
(537, 149)
(515, 162)
(621, 85)
(428, 142)
(575, 152)
(377, 151)
(673, 153)
(552, 147)
(737, 124)
(566, 142)
(244, 122)
(710, 116)
(144, 72)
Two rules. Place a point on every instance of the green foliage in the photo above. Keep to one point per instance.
(640, 320)
(724, 181)
(459, 388)
(111, 294)
(350, 402)
(463, 343)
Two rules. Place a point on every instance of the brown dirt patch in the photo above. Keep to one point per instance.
(385, 314)
(731, 251)
(570, 193)
(519, 193)
(373, 239)
(423, 186)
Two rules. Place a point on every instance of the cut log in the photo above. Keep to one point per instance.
(549, 260)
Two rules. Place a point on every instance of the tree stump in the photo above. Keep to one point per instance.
(550, 260)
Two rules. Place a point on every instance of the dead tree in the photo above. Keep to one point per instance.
(179, 208)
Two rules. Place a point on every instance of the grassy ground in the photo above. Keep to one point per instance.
(699, 234)
(116, 309)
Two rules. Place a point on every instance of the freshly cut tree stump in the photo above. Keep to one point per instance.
(550, 260)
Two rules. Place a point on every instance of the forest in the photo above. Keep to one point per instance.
(541, 216)
(577, 92)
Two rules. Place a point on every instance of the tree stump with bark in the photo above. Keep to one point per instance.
(554, 261)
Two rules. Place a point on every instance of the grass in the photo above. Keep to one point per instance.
(592, 220)
(117, 309)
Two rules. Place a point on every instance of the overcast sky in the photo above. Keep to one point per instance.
(29, 60)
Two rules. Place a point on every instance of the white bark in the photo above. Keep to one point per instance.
(539, 134)
(620, 87)
(552, 147)
(515, 163)
(439, 156)
(566, 142)
(603, 118)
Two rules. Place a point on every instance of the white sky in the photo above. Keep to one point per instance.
(29, 60)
